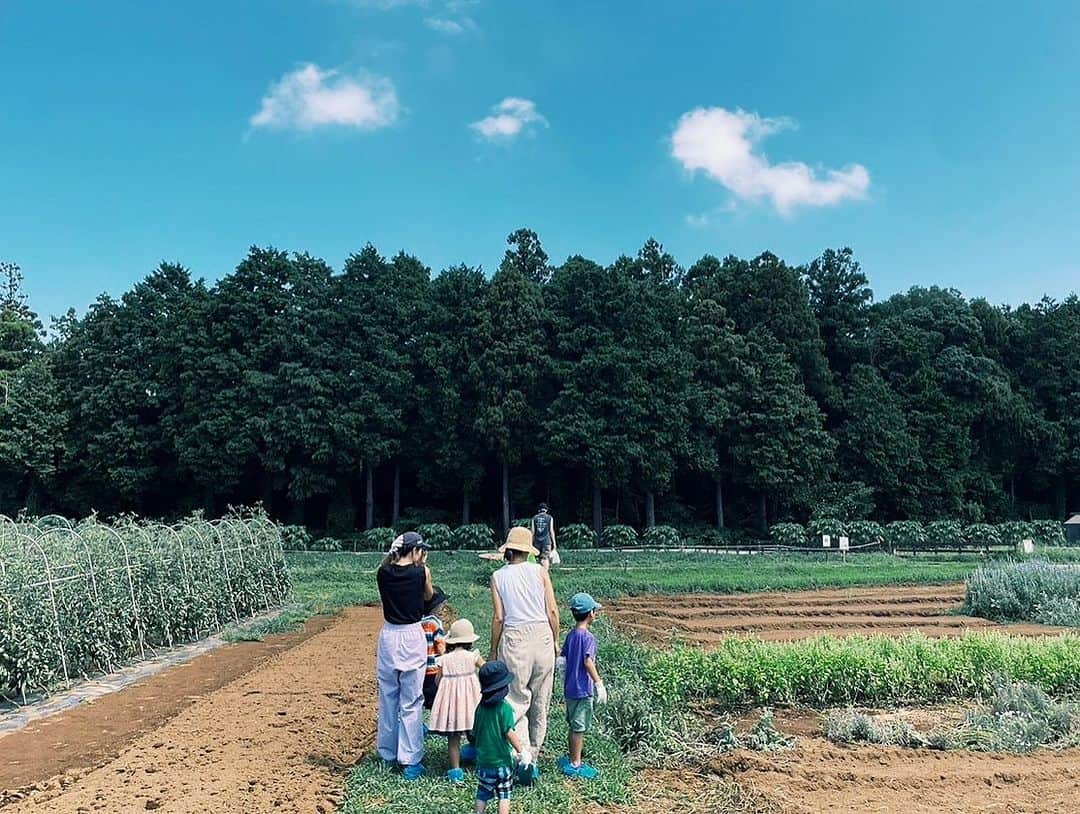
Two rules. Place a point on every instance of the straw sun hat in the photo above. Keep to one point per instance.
(519, 539)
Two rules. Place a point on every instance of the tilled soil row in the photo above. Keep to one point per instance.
(708, 619)
(819, 776)
(278, 739)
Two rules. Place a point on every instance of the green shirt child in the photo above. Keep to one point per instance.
(490, 726)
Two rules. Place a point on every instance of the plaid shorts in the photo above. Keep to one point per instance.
(494, 783)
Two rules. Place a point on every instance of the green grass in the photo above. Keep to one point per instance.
(643, 723)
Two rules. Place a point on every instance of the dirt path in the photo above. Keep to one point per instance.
(92, 733)
(708, 618)
(277, 739)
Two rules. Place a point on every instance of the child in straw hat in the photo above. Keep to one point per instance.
(454, 708)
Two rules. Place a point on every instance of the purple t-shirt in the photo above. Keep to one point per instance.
(579, 645)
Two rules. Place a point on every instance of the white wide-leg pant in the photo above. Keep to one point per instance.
(401, 660)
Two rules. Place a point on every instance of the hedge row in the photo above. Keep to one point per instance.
(480, 537)
(902, 534)
(915, 535)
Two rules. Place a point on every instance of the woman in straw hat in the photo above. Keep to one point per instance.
(401, 656)
(459, 692)
(524, 635)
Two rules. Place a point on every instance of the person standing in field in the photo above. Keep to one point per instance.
(524, 635)
(582, 681)
(405, 584)
(543, 530)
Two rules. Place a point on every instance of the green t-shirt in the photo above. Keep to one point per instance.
(489, 728)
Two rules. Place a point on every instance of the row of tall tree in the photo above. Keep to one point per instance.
(734, 392)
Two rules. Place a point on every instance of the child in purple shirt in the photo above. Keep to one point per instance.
(582, 681)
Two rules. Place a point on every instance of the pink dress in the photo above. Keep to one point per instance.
(459, 693)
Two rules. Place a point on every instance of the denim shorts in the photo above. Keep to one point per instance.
(492, 783)
(579, 713)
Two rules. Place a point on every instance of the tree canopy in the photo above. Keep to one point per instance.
(733, 392)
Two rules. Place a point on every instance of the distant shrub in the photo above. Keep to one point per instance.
(865, 532)
(295, 538)
(618, 536)
(826, 525)
(476, 536)
(1015, 532)
(945, 533)
(326, 544)
(788, 534)
(905, 534)
(661, 537)
(983, 534)
(1048, 532)
(377, 539)
(436, 535)
(522, 523)
(716, 538)
(575, 536)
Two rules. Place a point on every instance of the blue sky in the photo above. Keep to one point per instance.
(939, 140)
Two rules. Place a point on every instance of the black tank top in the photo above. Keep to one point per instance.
(401, 588)
(542, 531)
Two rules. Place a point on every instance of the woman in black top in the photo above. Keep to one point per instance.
(401, 659)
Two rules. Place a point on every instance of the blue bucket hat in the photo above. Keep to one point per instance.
(495, 681)
(583, 603)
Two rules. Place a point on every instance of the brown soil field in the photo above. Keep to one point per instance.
(275, 731)
(275, 727)
(820, 776)
(708, 618)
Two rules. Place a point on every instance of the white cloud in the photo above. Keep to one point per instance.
(450, 27)
(722, 143)
(309, 98)
(508, 119)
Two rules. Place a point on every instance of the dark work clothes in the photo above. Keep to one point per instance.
(431, 686)
(542, 531)
(401, 588)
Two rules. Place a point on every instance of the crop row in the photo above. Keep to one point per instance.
(79, 599)
(862, 670)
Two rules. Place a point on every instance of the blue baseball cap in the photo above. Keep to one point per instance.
(583, 603)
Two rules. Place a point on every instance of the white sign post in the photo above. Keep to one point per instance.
(844, 547)
(1029, 546)
(826, 541)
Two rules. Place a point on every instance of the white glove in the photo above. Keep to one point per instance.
(525, 758)
(560, 665)
(601, 693)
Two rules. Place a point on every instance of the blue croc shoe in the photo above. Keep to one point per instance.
(582, 772)
(414, 772)
(455, 776)
(468, 753)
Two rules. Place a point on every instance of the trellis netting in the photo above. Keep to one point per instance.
(82, 598)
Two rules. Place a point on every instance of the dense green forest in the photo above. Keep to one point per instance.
(731, 393)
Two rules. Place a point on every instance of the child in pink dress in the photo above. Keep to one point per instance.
(459, 692)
